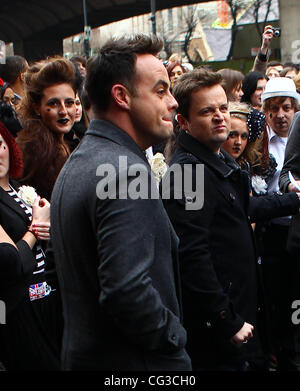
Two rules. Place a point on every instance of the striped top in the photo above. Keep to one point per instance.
(37, 249)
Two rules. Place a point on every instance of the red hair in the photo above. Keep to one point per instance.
(15, 154)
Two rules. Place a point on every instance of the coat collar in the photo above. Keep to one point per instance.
(224, 167)
(105, 129)
(11, 203)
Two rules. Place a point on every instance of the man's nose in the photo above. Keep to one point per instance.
(172, 104)
(280, 113)
(219, 116)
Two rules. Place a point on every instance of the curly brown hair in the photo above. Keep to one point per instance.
(43, 151)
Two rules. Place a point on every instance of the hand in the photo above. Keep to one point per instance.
(242, 336)
(266, 39)
(41, 230)
(40, 211)
(292, 187)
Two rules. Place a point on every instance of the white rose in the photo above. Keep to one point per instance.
(158, 166)
(27, 194)
(259, 185)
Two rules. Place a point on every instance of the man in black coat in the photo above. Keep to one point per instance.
(115, 249)
(218, 260)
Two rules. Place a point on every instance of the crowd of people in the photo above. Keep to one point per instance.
(97, 279)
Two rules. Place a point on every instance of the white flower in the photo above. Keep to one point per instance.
(259, 185)
(158, 166)
(27, 194)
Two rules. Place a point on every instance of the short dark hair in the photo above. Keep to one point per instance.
(14, 66)
(193, 81)
(273, 63)
(80, 59)
(115, 63)
(286, 70)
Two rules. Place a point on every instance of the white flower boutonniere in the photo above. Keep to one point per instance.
(158, 166)
(27, 194)
(259, 185)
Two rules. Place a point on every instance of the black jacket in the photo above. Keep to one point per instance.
(218, 258)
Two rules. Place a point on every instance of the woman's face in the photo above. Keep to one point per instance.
(57, 108)
(10, 98)
(256, 96)
(237, 93)
(176, 74)
(78, 106)
(4, 158)
(237, 138)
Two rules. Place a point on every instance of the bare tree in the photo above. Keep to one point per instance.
(256, 7)
(191, 21)
(168, 37)
(235, 7)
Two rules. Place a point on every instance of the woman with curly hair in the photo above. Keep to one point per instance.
(48, 114)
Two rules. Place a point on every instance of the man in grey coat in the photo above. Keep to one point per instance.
(115, 249)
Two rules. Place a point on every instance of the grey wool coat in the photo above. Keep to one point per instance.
(116, 261)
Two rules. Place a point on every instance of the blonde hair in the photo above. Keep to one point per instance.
(251, 155)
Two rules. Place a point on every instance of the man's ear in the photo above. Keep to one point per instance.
(121, 96)
(21, 77)
(183, 123)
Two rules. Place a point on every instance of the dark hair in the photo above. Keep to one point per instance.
(291, 65)
(286, 70)
(82, 60)
(43, 151)
(190, 82)
(279, 100)
(12, 68)
(174, 64)
(273, 63)
(43, 74)
(231, 79)
(249, 85)
(115, 63)
(79, 79)
(9, 118)
(15, 155)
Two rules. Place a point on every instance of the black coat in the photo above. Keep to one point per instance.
(31, 338)
(117, 265)
(218, 259)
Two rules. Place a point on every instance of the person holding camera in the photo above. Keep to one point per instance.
(260, 62)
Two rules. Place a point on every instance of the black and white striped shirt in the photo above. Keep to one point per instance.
(37, 249)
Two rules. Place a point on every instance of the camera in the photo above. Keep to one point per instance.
(276, 31)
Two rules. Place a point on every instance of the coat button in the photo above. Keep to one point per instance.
(173, 338)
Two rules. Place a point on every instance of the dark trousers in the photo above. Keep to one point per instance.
(281, 279)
